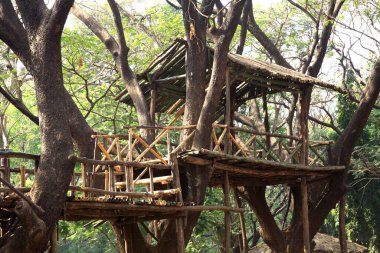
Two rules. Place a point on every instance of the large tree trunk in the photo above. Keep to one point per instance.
(38, 44)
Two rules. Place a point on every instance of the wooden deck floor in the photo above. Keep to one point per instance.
(249, 171)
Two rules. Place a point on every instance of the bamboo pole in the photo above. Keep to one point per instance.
(179, 220)
(342, 225)
(22, 176)
(242, 224)
(156, 194)
(122, 163)
(228, 115)
(305, 216)
(129, 175)
(148, 147)
(83, 167)
(106, 181)
(227, 215)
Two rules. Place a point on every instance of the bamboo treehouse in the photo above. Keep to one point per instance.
(134, 181)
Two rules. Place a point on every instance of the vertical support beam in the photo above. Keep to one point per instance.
(179, 220)
(168, 145)
(227, 114)
(151, 184)
(5, 172)
(342, 225)
(112, 178)
(266, 117)
(153, 95)
(106, 180)
(83, 167)
(305, 216)
(302, 121)
(22, 176)
(129, 174)
(242, 224)
(227, 215)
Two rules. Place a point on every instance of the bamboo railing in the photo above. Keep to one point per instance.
(268, 146)
(131, 168)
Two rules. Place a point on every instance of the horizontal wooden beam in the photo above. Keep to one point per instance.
(11, 154)
(114, 163)
(77, 205)
(155, 194)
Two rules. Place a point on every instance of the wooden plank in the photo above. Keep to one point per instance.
(155, 194)
(156, 180)
(77, 205)
(275, 165)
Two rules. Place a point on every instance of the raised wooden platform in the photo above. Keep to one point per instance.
(244, 171)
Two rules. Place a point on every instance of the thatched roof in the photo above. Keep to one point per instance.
(323, 244)
(249, 78)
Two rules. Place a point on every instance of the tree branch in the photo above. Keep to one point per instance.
(20, 106)
(12, 32)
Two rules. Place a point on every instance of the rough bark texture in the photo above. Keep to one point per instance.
(222, 38)
(196, 59)
(37, 42)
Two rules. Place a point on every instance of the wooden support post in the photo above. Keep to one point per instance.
(342, 225)
(83, 167)
(179, 220)
(227, 115)
(302, 121)
(266, 118)
(151, 183)
(112, 178)
(106, 180)
(5, 172)
(242, 224)
(129, 175)
(22, 176)
(153, 94)
(305, 216)
(227, 215)
(168, 145)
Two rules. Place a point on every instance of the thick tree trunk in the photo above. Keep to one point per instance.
(55, 170)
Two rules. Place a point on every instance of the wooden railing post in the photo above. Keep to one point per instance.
(179, 220)
(83, 167)
(22, 176)
(129, 176)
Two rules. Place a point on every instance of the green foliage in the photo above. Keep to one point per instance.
(82, 237)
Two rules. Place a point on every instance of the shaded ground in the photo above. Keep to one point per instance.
(324, 244)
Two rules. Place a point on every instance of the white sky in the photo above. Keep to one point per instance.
(140, 5)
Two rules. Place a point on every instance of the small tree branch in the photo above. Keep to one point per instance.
(20, 106)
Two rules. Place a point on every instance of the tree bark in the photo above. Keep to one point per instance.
(40, 51)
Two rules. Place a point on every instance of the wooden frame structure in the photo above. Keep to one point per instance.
(141, 181)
